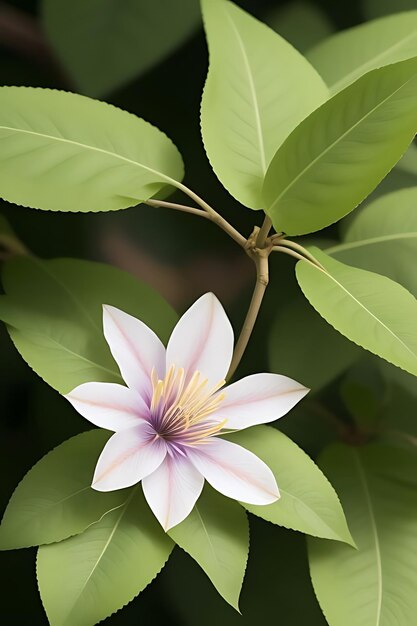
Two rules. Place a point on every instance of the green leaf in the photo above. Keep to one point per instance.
(8, 238)
(54, 312)
(325, 353)
(308, 502)
(55, 499)
(375, 8)
(370, 310)
(216, 535)
(339, 154)
(348, 55)
(301, 22)
(127, 40)
(382, 238)
(258, 89)
(64, 152)
(374, 585)
(408, 163)
(86, 578)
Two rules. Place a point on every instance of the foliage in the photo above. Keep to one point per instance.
(302, 140)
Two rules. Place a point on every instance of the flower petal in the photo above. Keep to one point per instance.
(127, 457)
(135, 348)
(234, 471)
(259, 399)
(108, 405)
(172, 490)
(202, 340)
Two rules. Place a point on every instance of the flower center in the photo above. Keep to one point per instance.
(181, 410)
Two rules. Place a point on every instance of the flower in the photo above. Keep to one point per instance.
(169, 419)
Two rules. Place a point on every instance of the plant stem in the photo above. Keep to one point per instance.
(309, 259)
(263, 232)
(214, 216)
(262, 279)
(296, 246)
(178, 207)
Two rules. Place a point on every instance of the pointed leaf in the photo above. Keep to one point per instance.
(375, 584)
(216, 535)
(308, 501)
(382, 238)
(371, 45)
(55, 499)
(302, 23)
(325, 354)
(338, 155)
(64, 152)
(128, 40)
(86, 578)
(370, 310)
(258, 89)
(54, 313)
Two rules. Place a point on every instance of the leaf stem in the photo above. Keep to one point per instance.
(178, 207)
(262, 279)
(214, 216)
(263, 232)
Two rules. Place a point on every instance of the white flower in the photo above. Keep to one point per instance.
(169, 419)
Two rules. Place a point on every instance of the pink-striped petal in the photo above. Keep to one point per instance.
(259, 399)
(109, 405)
(172, 490)
(234, 471)
(127, 457)
(202, 341)
(135, 348)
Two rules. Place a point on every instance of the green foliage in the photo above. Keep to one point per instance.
(374, 584)
(86, 578)
(54, 314)
(338, 155)
(308, 502)
(300, 22)
(105, 45)
(258, 89)
(370, 45)
(216, 535)
(302, 346)
(382, 238)
(64, 152)
(375, 8)
(370, 310)
(55, 499)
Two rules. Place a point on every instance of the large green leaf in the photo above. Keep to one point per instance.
(258, 89)
(344, 57)
(308, 501)
(55, 499)
(375, 8)
(54, 313)
(338, 155)
(369, 309)
(216, 535)
(375, 584)
(276, 580)
(64, 152)
(104, 44)
(301, 22)
(302, 346)
(382, 238)
(86, 578)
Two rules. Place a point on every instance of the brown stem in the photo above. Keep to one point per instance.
(262, 280)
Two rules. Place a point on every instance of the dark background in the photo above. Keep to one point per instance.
(182, 257)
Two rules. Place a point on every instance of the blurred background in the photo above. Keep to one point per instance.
(150, 58)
